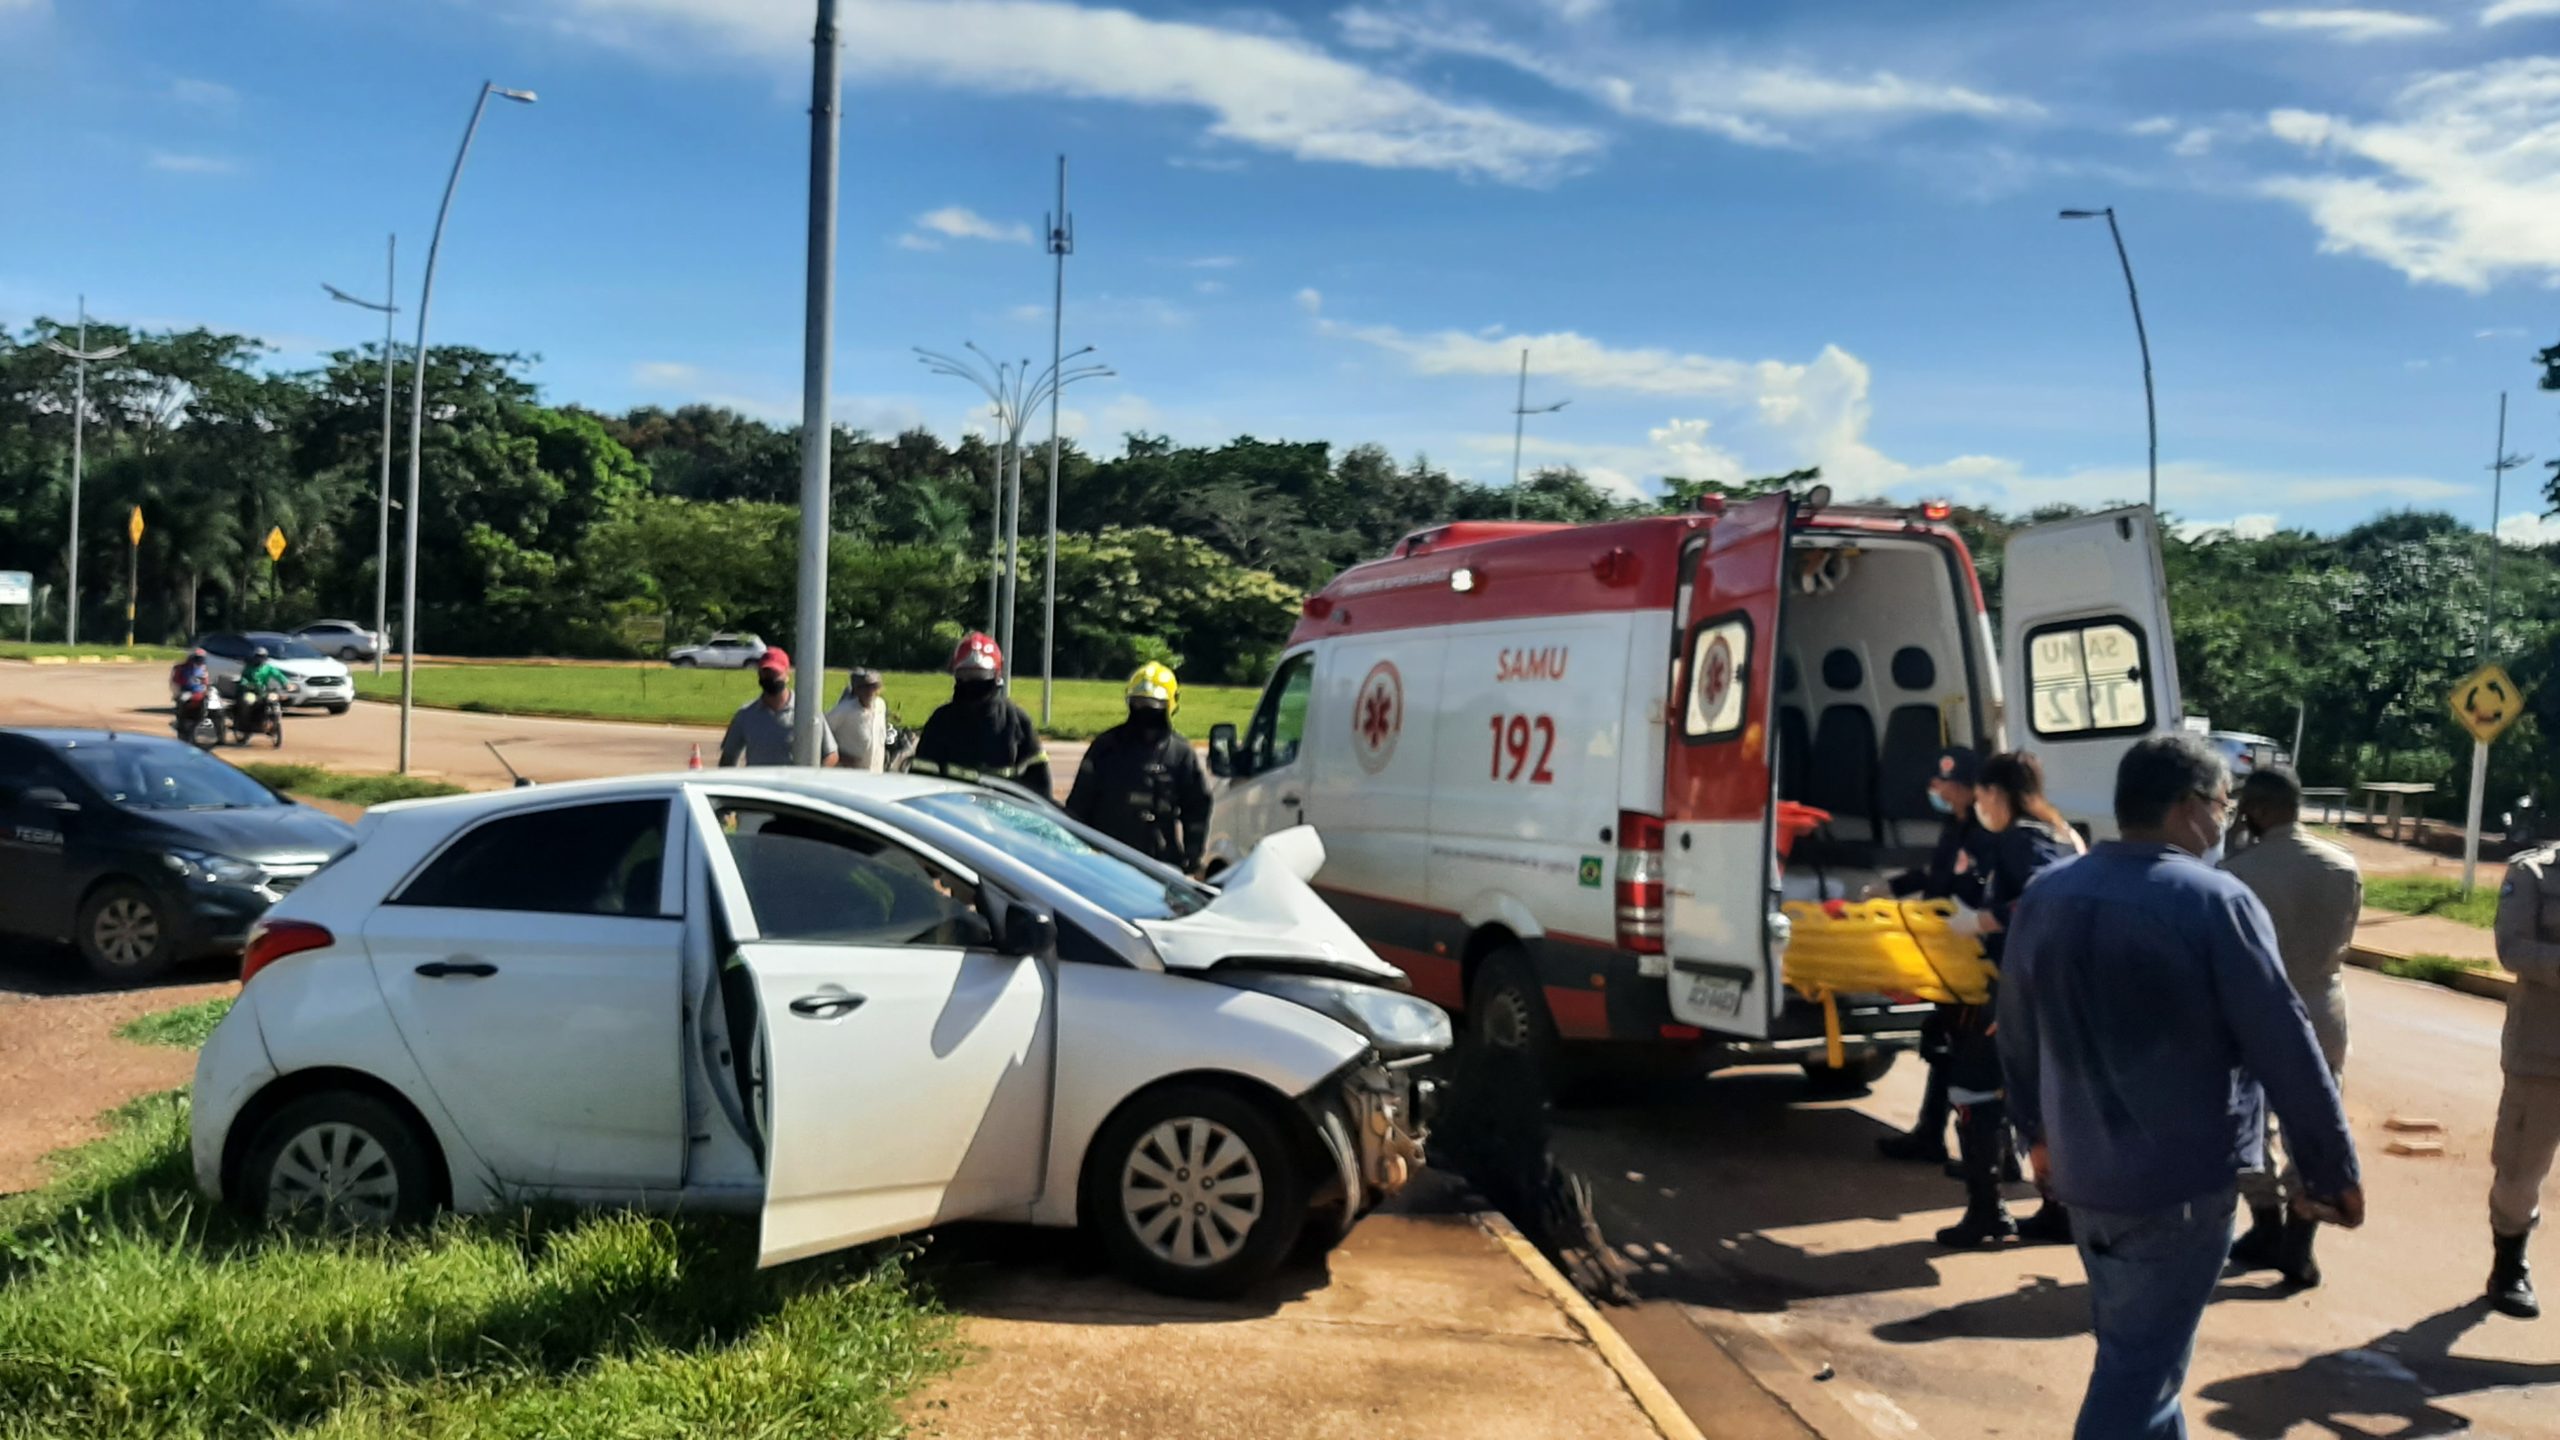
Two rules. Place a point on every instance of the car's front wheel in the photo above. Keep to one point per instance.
(1195, 1191)
(124, 934)
(349, 655)
(682, 662)
(342, 1160)
(341, 708)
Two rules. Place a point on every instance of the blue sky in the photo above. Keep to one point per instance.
(1738, 237)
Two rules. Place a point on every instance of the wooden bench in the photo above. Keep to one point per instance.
(2331, 801)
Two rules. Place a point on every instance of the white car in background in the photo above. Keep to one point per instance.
(345, 639)
(725, 651)
(317, 679)
(862, 1004)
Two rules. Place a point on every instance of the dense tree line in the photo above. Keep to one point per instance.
(545, 528)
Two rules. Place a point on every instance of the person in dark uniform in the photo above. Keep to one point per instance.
(1956, 871)
(1141, 783)
(2028, 837)
(980, 734)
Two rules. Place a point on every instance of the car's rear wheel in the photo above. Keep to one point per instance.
(124, 933)
(682, 662)
(341, 1160)
(1195, 1191)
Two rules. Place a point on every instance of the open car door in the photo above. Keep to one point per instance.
(1719, 785)
(2087, 662)
(906, 1062)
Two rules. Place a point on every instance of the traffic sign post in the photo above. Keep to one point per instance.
(18, 587)
(275, 558)
(2486, 702)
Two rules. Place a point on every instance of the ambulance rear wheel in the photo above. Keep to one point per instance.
(1507, 1011)
(1854, 1078)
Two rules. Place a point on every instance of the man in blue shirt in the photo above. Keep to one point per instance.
(2145, 1020)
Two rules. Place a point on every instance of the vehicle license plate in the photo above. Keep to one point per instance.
(1717, 995)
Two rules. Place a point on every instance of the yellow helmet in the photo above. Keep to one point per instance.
(1152, 681)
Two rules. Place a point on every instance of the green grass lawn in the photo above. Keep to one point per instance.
(2429, 895)
(16, 650)
(2434, 969)
(185, 1028)
(320, 784)
(132, 1307)
(1085, 708)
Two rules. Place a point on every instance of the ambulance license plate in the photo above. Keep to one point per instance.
(1719, 996)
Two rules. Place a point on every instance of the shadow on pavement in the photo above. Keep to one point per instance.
(1015, 1272)
(2399, 1376)
(35, 968)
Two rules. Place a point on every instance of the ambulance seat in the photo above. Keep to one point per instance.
(1910, 758)
(1841, 777)
(1795, 751)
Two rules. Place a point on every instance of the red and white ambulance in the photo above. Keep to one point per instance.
(1547, 761)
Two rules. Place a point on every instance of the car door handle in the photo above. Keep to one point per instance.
(826, 1007)
(439, 969)
(1289, 800)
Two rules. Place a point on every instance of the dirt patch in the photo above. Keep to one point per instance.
(61, 1067)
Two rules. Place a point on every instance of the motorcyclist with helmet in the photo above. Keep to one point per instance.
(189, 683)
(1142, 784)
(262, 686)
(980, 734)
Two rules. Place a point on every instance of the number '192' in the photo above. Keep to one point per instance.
(1513, 736)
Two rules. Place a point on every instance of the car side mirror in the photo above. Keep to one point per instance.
(1222, 750)
(1028, 930)
(45, 797)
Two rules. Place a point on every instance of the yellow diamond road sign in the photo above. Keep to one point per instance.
(275, 544)
(135, 529)
(2486, 702)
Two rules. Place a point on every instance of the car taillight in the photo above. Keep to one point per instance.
(272, 940)
(1639, 883)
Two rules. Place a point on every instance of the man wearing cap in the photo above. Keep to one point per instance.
(760, 733)
(860, 723)
(979, 734)
(1956, 871)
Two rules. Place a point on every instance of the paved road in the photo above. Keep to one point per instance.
(1775, 1227)
(447, 744)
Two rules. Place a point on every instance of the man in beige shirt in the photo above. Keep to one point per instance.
(2314, 893)
(2528, 1134)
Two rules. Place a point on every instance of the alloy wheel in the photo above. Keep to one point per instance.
(126, 931)
(1191, 1191)
(337, 1174)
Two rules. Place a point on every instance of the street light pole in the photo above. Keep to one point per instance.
(81, 358)
(1520, 413)
(382, 511)
(816, 435)
(418, 420)
(1062, 243)
(2150, 410)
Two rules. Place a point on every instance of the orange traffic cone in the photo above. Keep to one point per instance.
(696, 762)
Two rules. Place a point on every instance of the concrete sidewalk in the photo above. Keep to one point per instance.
(1420, 1326)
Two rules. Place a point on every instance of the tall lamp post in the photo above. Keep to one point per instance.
(2150, 411)
(82, 357)
(382, 512)
(1015, 393)
(817, 436)
(1520, 413)
(418, 419)
(1062, 243)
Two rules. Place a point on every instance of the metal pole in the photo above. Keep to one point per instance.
(418, 422)
(1519, 423)
(382, 511)
(2150, 411)
(79, 424)
(1062, 242)
(2471, 822)
(816, 436)
(995, 518)
(1012, 542)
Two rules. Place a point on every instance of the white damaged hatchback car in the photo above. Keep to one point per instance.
(863, 1004)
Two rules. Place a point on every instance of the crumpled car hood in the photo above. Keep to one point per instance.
(1266, 910)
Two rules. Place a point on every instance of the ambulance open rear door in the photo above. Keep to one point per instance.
(1717, 863)
(2086, 654)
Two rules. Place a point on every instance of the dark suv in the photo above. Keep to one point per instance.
(144, 851)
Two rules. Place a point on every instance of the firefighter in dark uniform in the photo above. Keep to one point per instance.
(979, 734)
(1141, 783)
(1957, 869)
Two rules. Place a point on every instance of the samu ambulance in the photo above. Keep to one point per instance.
(1547, 761)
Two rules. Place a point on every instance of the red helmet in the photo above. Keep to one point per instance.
(978, 658)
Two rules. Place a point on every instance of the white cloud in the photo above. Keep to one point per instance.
(2457, 188)
(687, 384)
(1748, 102)
(2238, 527)
(2506, 10)
(1311, 300)
(203, 94)
(2198, 141)
(1218, 164)
(183, 163)
(2355, 27)
(665, 374)
(2534, 530)
(2499, 332)
(1267, 90)
(959, 222)
(1209, 287)
(1213, 262)
(2155, 125)
(1027, 313)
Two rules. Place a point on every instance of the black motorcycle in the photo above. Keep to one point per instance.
(258, 716)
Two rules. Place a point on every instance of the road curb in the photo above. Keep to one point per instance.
(2488, 984)
(1615, 1352)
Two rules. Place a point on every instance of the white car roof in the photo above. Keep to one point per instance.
(855, 786)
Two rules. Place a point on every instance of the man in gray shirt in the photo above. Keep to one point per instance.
(760, 733)
(2313, 892)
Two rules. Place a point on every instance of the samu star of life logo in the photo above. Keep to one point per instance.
(1377, 716)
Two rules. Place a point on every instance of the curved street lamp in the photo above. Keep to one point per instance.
(382, 513)
(2150, 411)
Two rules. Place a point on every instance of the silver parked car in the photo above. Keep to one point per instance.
(345, 639)
(728, 650)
